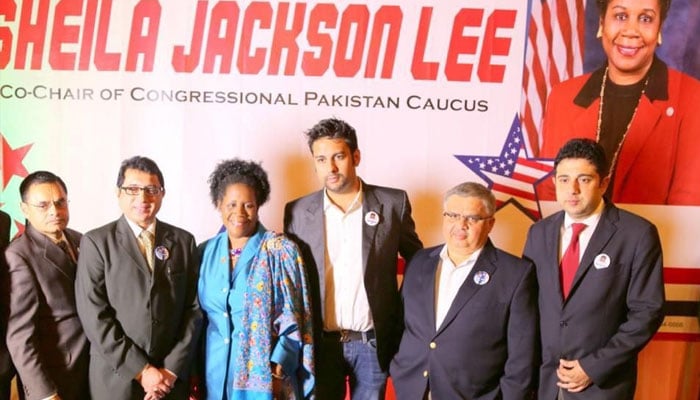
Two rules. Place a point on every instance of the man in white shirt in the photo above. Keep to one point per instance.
(350, 234)
(470, 311)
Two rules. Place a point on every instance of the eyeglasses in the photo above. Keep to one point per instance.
(136, 190)
(472, 220)
(45, 206)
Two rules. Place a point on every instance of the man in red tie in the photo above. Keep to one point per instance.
(601, 294)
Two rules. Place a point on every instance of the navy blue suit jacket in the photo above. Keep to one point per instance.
(486, 347)
(612, 310)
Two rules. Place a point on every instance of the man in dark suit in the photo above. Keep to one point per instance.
(44, 334)
(7, 371)
(470, 311)
(601, 293)
(136, 294)
(350, 234)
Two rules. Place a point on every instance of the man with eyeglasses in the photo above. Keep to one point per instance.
(44, 334)
(470, 311)
(136, 295)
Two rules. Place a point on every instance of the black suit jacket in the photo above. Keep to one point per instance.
(486, 347)
(613, 308)
(44, 334)
(133, 316)
(394, 234)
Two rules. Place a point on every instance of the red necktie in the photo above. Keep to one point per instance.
(570, 260)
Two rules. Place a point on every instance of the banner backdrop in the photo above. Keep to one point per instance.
(434, 89)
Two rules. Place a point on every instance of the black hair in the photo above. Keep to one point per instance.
(664, 5)
(586, 149)
(332, 128)
(229, 172)
(143, 164)
(38, 177)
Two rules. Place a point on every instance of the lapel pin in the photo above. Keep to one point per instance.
(162, 253)
(371, 218)
(481, 278)
(601, 261)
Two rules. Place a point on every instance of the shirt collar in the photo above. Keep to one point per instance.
(446, 259)
(356, 202)
(137, 229)
(656, 88)
(63, 238)
(591, 220)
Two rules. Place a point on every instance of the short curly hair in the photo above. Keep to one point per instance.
(230, 172)
(587, 149)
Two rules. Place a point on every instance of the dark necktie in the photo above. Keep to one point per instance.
(64, 246)
(570, 260)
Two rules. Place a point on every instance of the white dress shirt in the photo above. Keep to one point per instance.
(346, 304)
(584, 237)
(448, 279)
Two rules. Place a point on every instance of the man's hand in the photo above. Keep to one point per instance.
(154, 383)
(572, 377)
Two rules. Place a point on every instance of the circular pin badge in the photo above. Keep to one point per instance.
(670, 111)
(162, 253)
(371, 218)
(601, 261)
(481, 277)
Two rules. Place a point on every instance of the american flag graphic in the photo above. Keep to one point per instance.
(554, 53)
(513, 175)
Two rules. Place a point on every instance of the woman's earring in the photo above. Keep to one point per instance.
(659, 39)
(599, 34)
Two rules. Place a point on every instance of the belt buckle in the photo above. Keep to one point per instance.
(344, 336)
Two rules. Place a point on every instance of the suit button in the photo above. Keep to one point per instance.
(563, 324)
(425, 373)
(433, 345)
(155, 322)
(227, 340)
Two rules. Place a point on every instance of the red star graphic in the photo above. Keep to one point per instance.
(20, 228)
(12, 161)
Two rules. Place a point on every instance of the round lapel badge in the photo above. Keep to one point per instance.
(371, 218)
(162, 253)
(601, 261)
(481, 278)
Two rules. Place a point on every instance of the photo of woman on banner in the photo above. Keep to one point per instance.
(643, 112)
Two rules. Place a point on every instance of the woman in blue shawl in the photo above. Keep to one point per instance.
(253, 290)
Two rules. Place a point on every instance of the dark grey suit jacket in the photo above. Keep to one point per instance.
(486, 347)
(6, 369)
(394, 234)
(132, 316)
(612, 311)
(44, 334)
